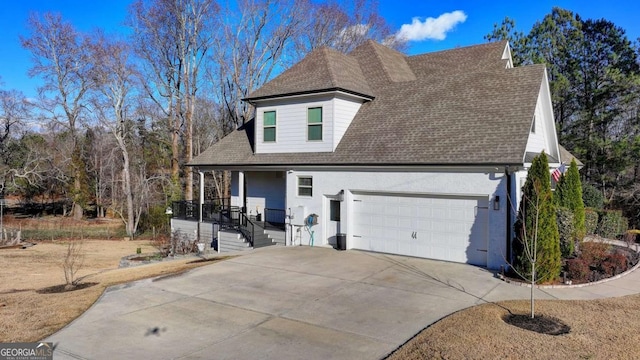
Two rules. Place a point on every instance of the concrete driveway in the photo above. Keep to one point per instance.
(281, 303)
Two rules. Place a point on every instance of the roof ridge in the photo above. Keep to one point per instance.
(378, 56)
(393, 63)
(329, 64)
(323, 68)
(492, 43)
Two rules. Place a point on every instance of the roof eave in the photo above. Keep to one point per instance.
(497, 167)
(252, 100)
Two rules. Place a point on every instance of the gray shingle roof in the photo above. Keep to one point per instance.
(484, 57)
(322, 69)
(381, 64)
(566, 157)
(530, 156)
(456, 107)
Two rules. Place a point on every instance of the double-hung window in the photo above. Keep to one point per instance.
(269, 128)
(305, 186)
(314, 123)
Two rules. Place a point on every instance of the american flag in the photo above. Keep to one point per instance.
(557, 173)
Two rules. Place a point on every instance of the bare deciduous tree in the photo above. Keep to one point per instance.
(60, 59)
(112, 74)
(174, 37)
(255, 35)
(195, 24)
(72, 263)
(153, 41)
(343, 26)
(14, 111)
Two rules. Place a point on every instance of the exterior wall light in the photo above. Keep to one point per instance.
(496, 203)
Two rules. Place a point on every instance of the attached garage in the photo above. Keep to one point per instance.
(442, 227)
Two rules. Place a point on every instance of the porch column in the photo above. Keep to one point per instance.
(201, 193)
(241, 195)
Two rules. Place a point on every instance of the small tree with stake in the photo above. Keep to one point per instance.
(537, 245)
(72, 263)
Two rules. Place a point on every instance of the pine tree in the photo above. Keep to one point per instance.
(537, 246)
(569, 194)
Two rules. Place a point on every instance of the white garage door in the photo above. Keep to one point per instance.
(435, 227)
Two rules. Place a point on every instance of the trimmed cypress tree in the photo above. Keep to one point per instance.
(537, 244)
(569, 194)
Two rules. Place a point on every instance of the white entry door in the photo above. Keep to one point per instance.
(451, 228)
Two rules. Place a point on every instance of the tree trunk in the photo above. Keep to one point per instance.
(175, 147)
(533, 286)
(226, 184)
(78, 212)
(126, 178)
(188, 186)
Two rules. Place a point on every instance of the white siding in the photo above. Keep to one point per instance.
(265, 189)
(291, 126)
(345, 110)
(537, 142)
(186, 228)
(338, 110)
(189, 229)
(544, 137)
(329, 183)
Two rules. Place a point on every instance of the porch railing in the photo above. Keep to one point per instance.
(190, 210)
(219, 211)
(247, 228)
(274, 218)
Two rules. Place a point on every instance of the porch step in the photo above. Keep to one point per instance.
(277, 236)
(262, 239)
(231, 240)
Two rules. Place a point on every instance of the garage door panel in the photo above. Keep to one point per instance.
(451, 229)
(425, 211)
(391, 210)
(391, 221)
(405, 222)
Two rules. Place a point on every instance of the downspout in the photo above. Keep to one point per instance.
(244, 194)
(509, 207)
(201, 193)
(201, 205)
(288, 217)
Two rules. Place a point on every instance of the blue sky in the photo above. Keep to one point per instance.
(452, 23)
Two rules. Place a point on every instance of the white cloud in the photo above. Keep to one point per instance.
(431, 28)
(348, 34)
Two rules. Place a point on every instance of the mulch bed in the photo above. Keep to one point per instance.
(540, 324)
(56, 289)
(594, 275)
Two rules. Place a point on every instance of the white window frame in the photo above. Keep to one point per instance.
(274, 126)
(299, 185)
(321, 123)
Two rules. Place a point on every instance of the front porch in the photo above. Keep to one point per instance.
(223, 227)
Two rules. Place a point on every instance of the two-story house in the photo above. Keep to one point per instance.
(418, 155)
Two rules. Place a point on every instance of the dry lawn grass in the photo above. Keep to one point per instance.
(30, 316)
(59, 222)
(600, 329)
